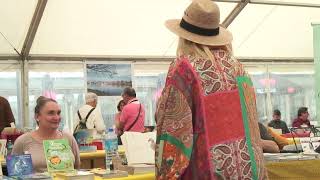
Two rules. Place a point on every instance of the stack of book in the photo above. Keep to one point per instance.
(74, 175)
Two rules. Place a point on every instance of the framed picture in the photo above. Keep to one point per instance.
(108, 79)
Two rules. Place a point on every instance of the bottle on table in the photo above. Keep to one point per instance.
(111, 148)
(9, 147)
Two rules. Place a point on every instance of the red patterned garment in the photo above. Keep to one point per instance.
(200, 130)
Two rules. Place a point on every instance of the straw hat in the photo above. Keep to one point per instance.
(200, 24)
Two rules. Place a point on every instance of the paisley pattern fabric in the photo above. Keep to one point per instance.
(219, 75)
(250, 103)
(200, 133)
(226, 158)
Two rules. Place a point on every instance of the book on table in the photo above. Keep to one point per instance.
(74, 175)
(58, 154)
(19, 165)
(112, 174)
(35, 176)
(3, 143)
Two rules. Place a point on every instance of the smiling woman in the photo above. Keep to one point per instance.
(47, 114)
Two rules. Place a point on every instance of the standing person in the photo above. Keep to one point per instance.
(47, 114)
(90, 115)
(6, 115)
(133, 113)
(302, 119)
(117, 116)
(200, 130)
(277, 123)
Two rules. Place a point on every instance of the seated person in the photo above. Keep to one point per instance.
(281, 141)
(47, 115)
(302, 119)
(6, 115)
(267, 142)
(277, 123)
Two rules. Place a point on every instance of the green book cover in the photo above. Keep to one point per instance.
(58, 155)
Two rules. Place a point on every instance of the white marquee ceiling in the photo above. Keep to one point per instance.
(136, 28)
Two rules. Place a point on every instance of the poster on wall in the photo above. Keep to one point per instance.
(108, 79)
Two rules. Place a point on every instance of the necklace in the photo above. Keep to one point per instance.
(36, 135)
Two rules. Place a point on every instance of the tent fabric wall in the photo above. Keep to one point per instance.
(316, 47)
(136, 28)
(15, 18)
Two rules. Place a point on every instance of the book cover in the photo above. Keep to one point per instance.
(3, 143)
(84, 136)
(19, 165)
(58, 155)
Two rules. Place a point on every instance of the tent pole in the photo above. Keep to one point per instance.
(277, 3)
(37, 15)
(234, 13)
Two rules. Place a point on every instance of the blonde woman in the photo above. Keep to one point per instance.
(200, 132)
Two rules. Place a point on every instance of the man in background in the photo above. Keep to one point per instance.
(277, 123)
(6, 115)
(302, 119)
(90, 114)
(133, 113)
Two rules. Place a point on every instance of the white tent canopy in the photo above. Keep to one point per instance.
(129, 28)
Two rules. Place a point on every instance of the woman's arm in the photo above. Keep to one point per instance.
(74, 149)
(18, 146)
(269, 146)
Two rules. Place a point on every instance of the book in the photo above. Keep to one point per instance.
(74, 175)
(59, 156)
(3, 143)
(112, 174)
(84, 136)
(35, 176)
(139, 147)
(19, 165)
(143, 168)
(87, 148)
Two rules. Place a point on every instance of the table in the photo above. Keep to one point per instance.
(302, 169)
(149, 176)
(91, 160)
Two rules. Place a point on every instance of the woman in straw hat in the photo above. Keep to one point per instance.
(200, 131)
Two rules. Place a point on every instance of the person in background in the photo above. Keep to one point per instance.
(6, 115)
(120, 106)
(302, 119)
(133, 113)
(277, 123)
(47, 115)
(148, 128)
(267, 141)
(91, 113)
(281, 141)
